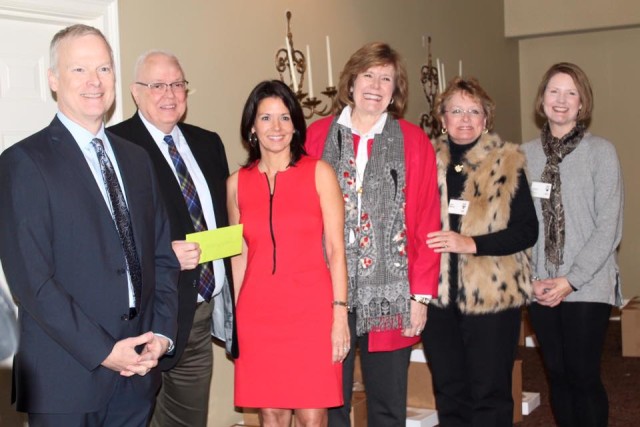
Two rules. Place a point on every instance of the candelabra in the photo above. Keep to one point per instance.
(429, 78)
(295, 61)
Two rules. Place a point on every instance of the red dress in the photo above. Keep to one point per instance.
(284, 311)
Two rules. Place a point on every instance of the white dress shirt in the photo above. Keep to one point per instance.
(83, 138)
(198, 180)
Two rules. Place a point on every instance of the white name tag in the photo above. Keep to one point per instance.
(541, 190)
(458, 207)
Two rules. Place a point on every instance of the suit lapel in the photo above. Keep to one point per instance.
(73, 161)
(167, 179)
(205, 159)
(142, 137)
(130, 172)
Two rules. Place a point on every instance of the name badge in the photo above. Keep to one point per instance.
(541, 190)
(458, 207)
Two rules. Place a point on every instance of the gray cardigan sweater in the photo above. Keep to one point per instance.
(593, 198)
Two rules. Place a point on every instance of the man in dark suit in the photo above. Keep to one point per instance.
(192, 169)
(85, 245)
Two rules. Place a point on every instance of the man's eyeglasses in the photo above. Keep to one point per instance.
(158, 88)
(459, 112)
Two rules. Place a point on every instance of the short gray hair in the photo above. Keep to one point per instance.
(77, 30)
(143, 58)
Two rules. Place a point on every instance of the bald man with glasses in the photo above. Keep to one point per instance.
(191, 166)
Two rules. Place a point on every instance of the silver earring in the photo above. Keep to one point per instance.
(391, 103)
(444, 131)
(253, 139)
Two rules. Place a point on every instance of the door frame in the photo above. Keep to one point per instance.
(102, 14)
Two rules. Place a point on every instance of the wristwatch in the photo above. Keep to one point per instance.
(422, 299)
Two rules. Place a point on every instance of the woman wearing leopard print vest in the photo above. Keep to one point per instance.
(577, 188)
(488, 224)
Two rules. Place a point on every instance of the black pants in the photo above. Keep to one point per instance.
(471, 359)
(571, 338)
(385, 381)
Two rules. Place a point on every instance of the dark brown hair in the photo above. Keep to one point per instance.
(273, 89)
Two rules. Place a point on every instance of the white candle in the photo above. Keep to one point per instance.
(292, 70)
(439, 75)
(310, 74)
(426, 46)
(444, 79)
(329, 68)
(460, 68)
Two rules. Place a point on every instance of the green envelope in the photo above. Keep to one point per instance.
(219, 243)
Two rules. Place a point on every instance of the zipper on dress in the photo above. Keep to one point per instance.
(273, 236)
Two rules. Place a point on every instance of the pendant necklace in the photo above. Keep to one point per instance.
(459, 167)
(360, 177)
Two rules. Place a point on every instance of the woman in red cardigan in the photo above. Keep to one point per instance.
(391, 203)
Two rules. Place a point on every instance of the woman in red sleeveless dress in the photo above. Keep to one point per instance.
(291, 303)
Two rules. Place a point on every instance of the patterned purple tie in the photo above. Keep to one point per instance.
(121, 218)
(207, 282)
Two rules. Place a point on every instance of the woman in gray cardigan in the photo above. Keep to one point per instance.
(578, 195)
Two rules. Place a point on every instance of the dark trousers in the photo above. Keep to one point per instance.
(471, 359)
(126, 408)
(385, 381)
(571, 338)
(183, 399)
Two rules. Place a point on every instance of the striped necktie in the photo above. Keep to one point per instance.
(206, 283)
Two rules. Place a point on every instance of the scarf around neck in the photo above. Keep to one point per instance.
(555, 149)
(376, 239)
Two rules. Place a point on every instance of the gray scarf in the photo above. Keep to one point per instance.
(556, 149)
(377, 263)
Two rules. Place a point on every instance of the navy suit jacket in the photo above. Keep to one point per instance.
(65, 266)
(208, 150)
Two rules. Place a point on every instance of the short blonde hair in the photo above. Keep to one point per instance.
(469, 86)
(77, 30)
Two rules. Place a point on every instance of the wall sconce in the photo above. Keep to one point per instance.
(431, 86)
(297, 64)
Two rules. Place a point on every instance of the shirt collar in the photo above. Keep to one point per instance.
(157, 134)
(345, 120)
(82, 136)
